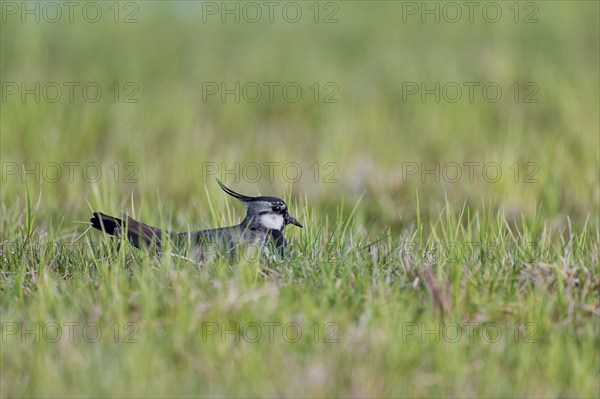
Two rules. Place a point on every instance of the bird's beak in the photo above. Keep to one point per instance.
(292, 220)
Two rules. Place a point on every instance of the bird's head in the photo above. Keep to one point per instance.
(269, 213)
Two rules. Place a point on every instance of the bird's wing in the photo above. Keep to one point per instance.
(138, 233)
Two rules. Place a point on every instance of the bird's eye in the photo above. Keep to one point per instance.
(276, 208)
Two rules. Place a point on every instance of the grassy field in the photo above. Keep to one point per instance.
(444, 165)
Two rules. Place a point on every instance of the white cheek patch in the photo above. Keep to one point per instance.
(271, 221)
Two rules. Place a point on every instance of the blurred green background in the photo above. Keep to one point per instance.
(371, 135)
(155, 136)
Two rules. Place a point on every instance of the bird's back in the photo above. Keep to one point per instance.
(197, 245)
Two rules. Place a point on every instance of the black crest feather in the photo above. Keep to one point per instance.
(241, 197)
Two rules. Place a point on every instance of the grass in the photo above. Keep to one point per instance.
(399, 285)
(449, 324)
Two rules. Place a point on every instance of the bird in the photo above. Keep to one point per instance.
(266, 218)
